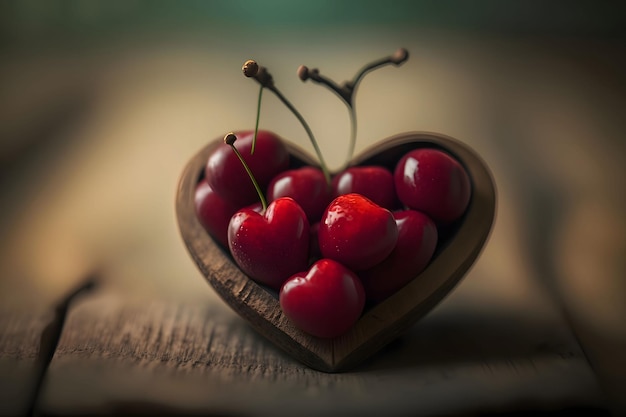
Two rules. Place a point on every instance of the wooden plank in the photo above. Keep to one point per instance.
(20, 335)
(28, 339)
(123, 355)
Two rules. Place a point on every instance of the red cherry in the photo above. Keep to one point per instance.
(306, 185)
(270, 247)
(357, 232)
(373, 182)
(431, 181)
(326, 301)
(214, 212)
(227, 176)
(417, 239)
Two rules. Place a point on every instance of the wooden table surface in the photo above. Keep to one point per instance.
(103, 312)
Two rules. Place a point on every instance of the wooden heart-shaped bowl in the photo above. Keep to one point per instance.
(379, 324)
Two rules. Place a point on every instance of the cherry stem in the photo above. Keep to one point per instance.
(308, 131)
(258, 117)
(252, 70)
(398, 58)
(230, 139)
(347, 90)
(353, 127)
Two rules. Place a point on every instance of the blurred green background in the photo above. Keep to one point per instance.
(82, 22)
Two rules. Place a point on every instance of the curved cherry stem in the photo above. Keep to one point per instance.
(258, 117)
(252, 70)
(230, 139)
(353, 127)
(398, 58)
(308, 131)
(347, 90)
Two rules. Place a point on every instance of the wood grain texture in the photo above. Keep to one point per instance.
(20, 364)
(28, 339)
(120, 355)
(385, 321)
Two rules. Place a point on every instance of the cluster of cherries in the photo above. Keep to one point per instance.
(327, 244)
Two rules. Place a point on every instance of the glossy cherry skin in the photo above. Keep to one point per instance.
(214, 212)
(270, 247)
(227, 176)
(324, 301)
(357, 232)
(306, 185)
(417, 240)
(373, 182)
(431, 181)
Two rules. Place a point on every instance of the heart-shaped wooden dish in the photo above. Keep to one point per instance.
(379, 324)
